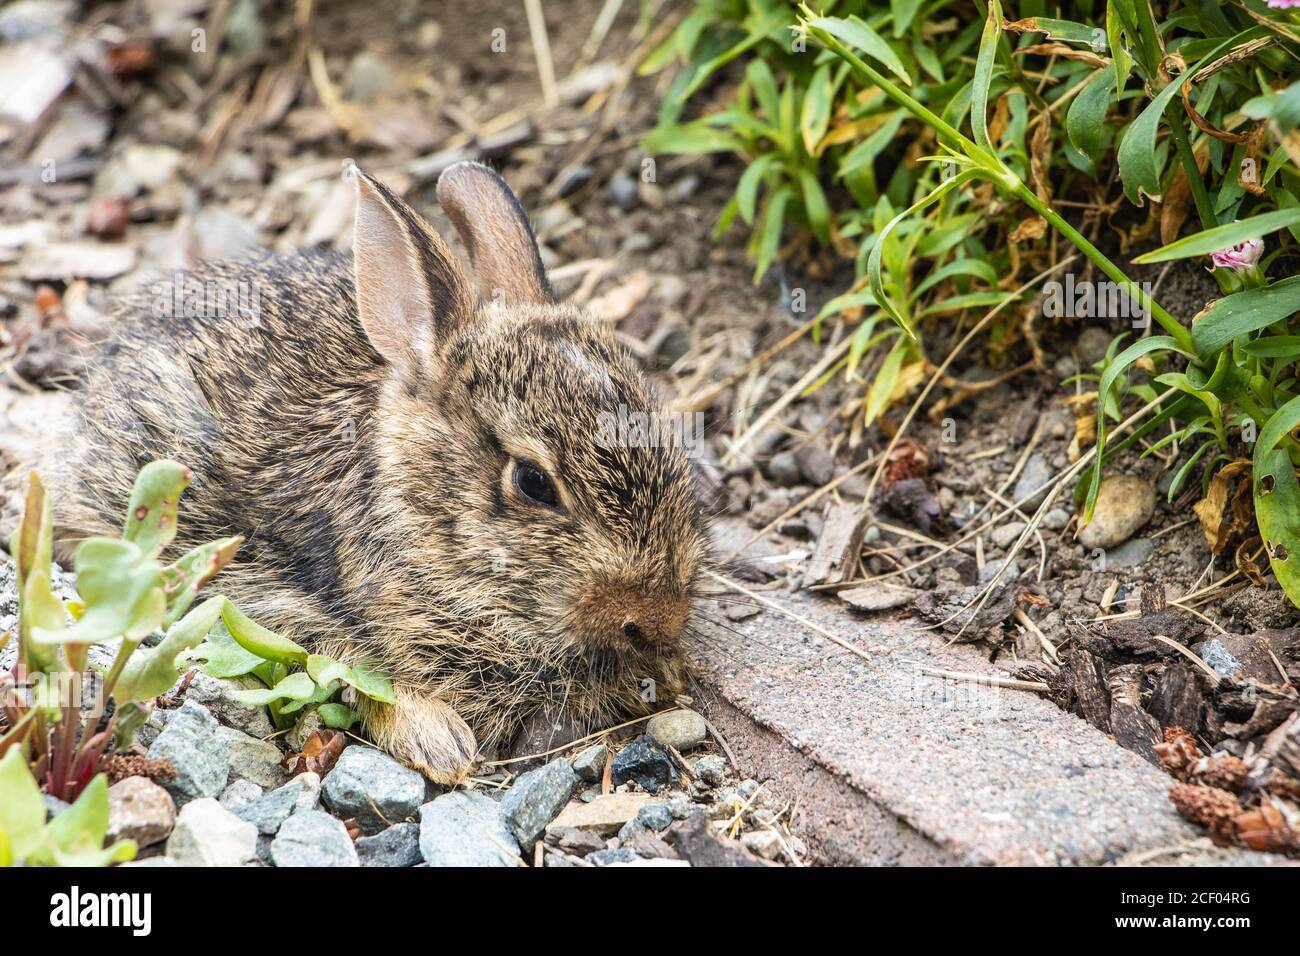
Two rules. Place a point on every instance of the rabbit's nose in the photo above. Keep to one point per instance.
(614, 614)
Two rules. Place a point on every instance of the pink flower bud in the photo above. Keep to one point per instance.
(1243, 256)
(1283, 4)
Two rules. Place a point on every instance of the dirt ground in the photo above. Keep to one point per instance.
(163, 157)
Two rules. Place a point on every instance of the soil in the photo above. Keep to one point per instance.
(256, 150)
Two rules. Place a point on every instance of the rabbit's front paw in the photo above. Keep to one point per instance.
(426, 734)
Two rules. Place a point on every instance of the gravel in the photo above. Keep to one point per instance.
(207, 834)
(590, 764)
(217, 695)
(268, 811)
(466, 829)
(399, 845)
(198, 752)
(372, 788)
(681, 729)
(140, 810)
(254, 760)
(315, 839)
(644, 762)
(536, 798)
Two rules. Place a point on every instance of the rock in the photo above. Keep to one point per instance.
(575, 841)
(304, 727)
(573, 179)
(1004, 536)
(650, 846)
(783, 469)
(763, 843)
(1092, 344)
(1220, 658)
(207, 834)
(269, 811)
(53, 806)
(1056, 519)
(368, 77)
(399, 845)
(1124, 504)
(466, 829)
(695, 842)
(239, 794)
(610, 857)
(373, 788)
(536, 798)
(62, 261)
(604, 815)
(653, 816)
(151, 165)
(140, 810)
(217, 695)
(1035, 477)
(991, 569)
(623, 192)
(644, 762)
(315, 839)
(711, 769)
(816, 464)
(876, 597)
(682, 730)
(590, 764)
(198, 751)
(255, 760)
(1131, 554)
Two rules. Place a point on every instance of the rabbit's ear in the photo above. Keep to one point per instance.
(410, 289)
(496, 233)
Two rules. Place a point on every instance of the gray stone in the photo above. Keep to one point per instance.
(644, 762)
(1124, 504)
(1035, 476)
(1220, 658)
(784, 470)
(466, 829)
(217, 695)
(207, 834)
(623, 192)
(198, 751)
(816, 463)
(255, 760)
(270, 810)
(612, 857)
(368, 77)
(711, 769)
(399, 845)
(1004, 536)
(590, 764)
(312, 838)
(536, 799)
(374, 789)
(991, 568)
(656, 817)
(306, 725)
(139, 810)
(682, 729)
(1131, 554)
(1056, 519)
(762, 843)
(1092, 344)
(240, 793)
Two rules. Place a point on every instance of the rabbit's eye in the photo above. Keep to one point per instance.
(533, 483)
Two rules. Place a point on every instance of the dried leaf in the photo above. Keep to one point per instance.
(319, 753)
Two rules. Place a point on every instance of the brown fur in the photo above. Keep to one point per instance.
(367, 456)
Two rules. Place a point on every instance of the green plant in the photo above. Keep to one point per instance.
(1200, 94)
(75, 837)
(53, 703)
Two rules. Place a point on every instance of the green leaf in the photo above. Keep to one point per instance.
(767, 235)
(1242, 312)
(121, 586)
(264, 643)
(222, 656)
(817, 103)
(983, 79)
(322, 693)
(1138, 164)
(690, 138)
(338, 716)
(183, 579)
(815, 205)
(298, 686)
(153, 671)
(1109, 377)
(1277, 511)
(854, 31)
(324, 669)
(1274, 346)
(1223, 237)
(22, 811)
(883, 386)
(1115, 31)
(747, 188)
(151, 515)
(903, 12)
(760, 78)
(1086, 119)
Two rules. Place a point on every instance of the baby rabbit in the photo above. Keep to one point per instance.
(419, 468)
